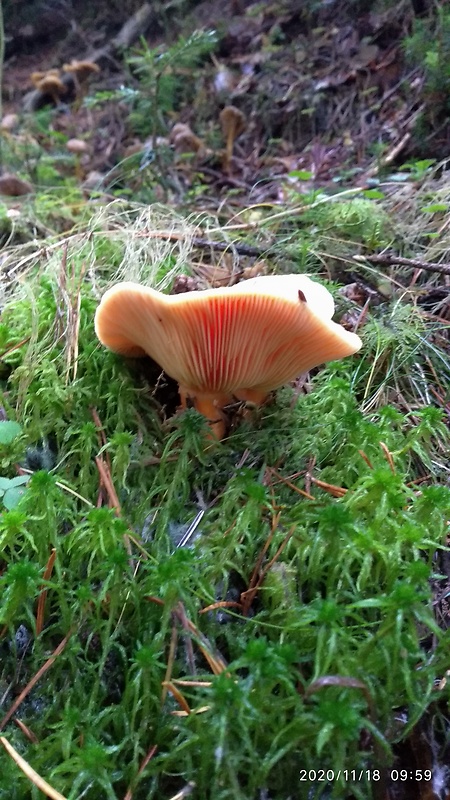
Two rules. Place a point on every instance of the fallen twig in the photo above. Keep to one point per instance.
(390, 259)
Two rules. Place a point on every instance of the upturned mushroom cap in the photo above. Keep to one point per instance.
(51, 84)
(234, 342)
(82, 69)
(38, 76)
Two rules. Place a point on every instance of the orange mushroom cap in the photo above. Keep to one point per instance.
(51, 84)
(239, 341)
(82, 69)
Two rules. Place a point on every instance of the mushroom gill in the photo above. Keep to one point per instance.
(237, 342)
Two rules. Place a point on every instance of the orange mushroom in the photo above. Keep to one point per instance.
(50, 84)
(38, 76)
(80, 72)
(238, 342)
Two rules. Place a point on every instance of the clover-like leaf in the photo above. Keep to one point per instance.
(12, 496)
(9, 431)
(12, 489)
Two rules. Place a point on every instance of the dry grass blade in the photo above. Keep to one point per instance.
(148, 757)
(216, 662)
(330, 488)
(106, 481)
(366, 458)
(185, 792)
(170, 663)
(222, 604)
(388, 456)
(26, 731)
(30, 685)
(30, 772)
(179, 697)
(43, 595)
(248, 596)
(289, 483)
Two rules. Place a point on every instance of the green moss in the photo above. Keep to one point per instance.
(336, 638)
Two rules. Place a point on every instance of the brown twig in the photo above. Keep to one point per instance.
(390, 259)
(197, 241)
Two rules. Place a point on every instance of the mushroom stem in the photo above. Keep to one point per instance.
(210, 405)
(231, 135)
(233, 123)
(254, 397)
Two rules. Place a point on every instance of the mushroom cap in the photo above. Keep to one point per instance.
(77, 146)
(51, 83)
(81, 68)
(38, 75)
(257, 335)
(231, 118)
(184, 140)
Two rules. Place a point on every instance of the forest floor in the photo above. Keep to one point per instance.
(266, 617)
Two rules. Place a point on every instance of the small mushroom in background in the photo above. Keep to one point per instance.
(184, 140)
(49, 83)
(228, 344)
(78, 148)
(233, 123)
(12, 186)
(10, 122)
(80, 72)
(37, 77)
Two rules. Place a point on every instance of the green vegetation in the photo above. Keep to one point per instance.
(429, 46)
(298, 629)
(333, 637)
(163, 87)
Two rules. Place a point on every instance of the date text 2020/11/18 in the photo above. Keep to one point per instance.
(340, 774)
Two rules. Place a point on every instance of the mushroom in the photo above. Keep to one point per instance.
(36, 77)
(49, 83)
(80, 72)
(79, 148)
(238, 342)
(184, 140)
(82, 69)
(233, 122)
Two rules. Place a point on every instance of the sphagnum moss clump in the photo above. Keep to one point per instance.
(312, 551)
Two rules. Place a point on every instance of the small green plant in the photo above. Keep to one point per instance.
(162, 80)
(429, 47)
(418, 169)
(9, 431)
